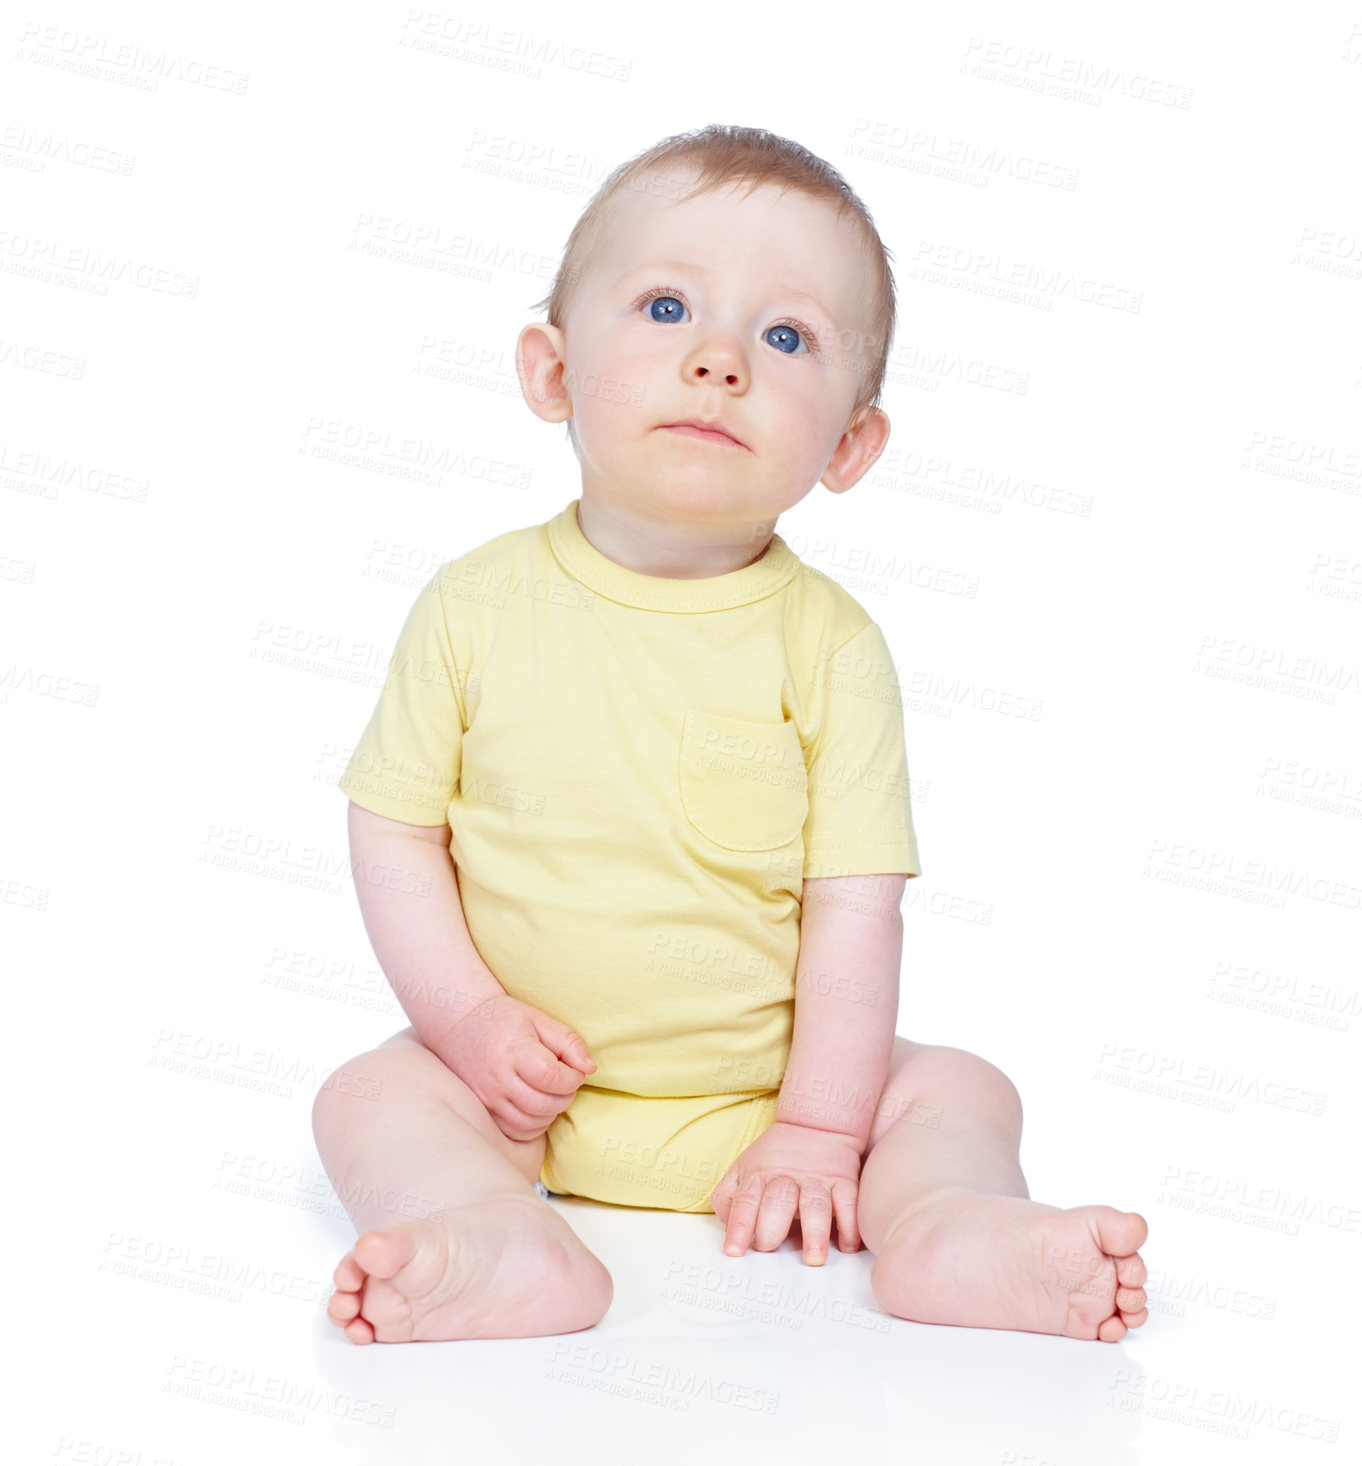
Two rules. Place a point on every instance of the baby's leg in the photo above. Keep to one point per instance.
(944, 1204)
(454, 1242)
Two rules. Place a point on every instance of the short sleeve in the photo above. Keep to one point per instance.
(406, 763)
(860, 821)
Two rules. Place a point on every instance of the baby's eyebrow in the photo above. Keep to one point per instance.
(686, 265)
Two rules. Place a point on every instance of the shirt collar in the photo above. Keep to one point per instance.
(580, 558)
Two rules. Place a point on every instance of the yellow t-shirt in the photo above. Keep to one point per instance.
(638, 773)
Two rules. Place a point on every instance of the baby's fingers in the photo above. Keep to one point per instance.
(742, 1218)
(779, 1207)
(542, 1070)
(516, 1121)
(815, 1222)
(846, 1198)
(564, 1043)
(541, 1106)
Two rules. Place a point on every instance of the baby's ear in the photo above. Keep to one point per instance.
(861, 444)
(540, 354)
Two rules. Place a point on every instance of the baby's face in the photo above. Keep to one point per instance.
(750, 311)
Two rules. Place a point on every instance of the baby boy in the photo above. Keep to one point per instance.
(630, 826)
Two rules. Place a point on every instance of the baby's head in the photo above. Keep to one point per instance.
(730, 276)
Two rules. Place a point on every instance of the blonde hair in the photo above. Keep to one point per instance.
(726, 155)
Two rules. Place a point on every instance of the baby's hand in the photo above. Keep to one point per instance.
(524, 1065)
(791, 1169)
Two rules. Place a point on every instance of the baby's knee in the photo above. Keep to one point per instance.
(960, 1068)
(358, 1080)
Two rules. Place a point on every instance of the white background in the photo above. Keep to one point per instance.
(1121, 496)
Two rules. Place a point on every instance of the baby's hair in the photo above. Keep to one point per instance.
(725, 155)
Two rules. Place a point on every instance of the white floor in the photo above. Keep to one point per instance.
(199, 1234)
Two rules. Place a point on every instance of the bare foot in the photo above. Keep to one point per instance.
(504, 1268)
(1005, 1262)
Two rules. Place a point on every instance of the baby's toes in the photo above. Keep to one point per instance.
(1130, 1296)
(1120, 1233)
(1130, 1300)
(349, 1275)
(1131, 1271)
(342, 1307)
(1133, 1317)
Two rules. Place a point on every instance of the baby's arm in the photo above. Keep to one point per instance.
(523, 1064)
(409, 896)
(846, 1004)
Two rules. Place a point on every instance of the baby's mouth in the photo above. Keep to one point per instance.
(711, 434)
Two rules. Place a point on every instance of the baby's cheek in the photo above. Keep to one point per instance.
(610, 393)
(804, 436)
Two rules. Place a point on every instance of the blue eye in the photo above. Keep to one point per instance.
(786, 333)
(671, 308)
(665, 305)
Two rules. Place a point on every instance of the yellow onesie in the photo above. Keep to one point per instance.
(638, 773)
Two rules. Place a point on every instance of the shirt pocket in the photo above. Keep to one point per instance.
(743, 783)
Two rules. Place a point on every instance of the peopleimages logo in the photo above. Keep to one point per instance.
(1225, 870)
